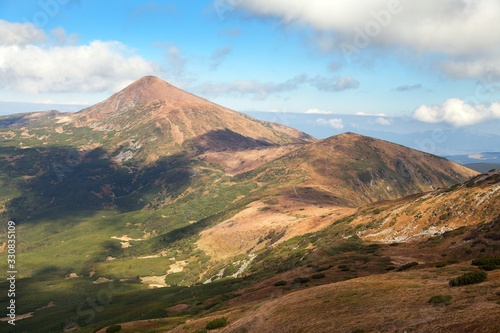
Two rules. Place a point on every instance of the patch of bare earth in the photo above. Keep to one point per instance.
(154, 281)
(260, 225)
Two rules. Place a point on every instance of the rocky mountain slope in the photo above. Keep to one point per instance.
(155, 188)
(338, 283)
(156, 115)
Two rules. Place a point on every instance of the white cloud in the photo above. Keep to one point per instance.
(336, 123)
(261, 90)
(20, 34)
(364, 114)
(334, 84)
(457, 112)
(258, 90)
(383, 121)
(318, 111)
(98, 66)
(462, 30)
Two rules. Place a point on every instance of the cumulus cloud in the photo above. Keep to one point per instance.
(365, 114)
(20, 34)
(461, 30)
(317, 111)
(336, 123)
(219, 55)
(98, 66)
(34, 62)
(383, 121)
(457, 112)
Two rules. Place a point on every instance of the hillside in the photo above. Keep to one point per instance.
(177, 203)
(355, 170)
(332, 276)
(161, 118)
(366, 286)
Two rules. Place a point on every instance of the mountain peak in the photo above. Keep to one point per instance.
(181, 119)
(147, 90)
(151, 88)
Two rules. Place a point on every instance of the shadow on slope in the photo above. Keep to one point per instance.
(61, 180)
(222, 140)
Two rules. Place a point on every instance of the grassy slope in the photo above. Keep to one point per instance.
(64, 227)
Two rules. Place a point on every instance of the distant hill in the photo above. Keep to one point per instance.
(479, 158)
(483, 167)
(357, 169)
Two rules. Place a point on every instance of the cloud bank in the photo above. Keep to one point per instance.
(461, 30)
(336, 123)
(34, 62)
(261, 90)
(457, 112)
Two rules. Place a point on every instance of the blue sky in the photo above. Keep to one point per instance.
(436, 62)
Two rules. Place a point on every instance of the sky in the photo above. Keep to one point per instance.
(433, 62)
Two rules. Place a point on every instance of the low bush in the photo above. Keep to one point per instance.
(113, 329)
(440, 299)
(301, 280)
(318, 276)
(321, 269)
(217, 323)
(408, 266)
(280, 283)
(487, 263)
(476, 276)
(344, 268)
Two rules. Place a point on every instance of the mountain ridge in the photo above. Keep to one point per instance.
(167, 119)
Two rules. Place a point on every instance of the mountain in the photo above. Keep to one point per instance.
(357, 170)
(330, 177)
(155, 188)
(398, 284)
(165, 119)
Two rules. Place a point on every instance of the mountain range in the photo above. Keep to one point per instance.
(183, 211)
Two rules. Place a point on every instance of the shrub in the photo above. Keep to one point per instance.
(301, 280)
(174, 279)
(318, 276)
(408, 266)
(280, 283)
(440, 299)
(487, 263)
(344, 268)
(216, 323)
(321, 269)
(113, 329)
(476, 276)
